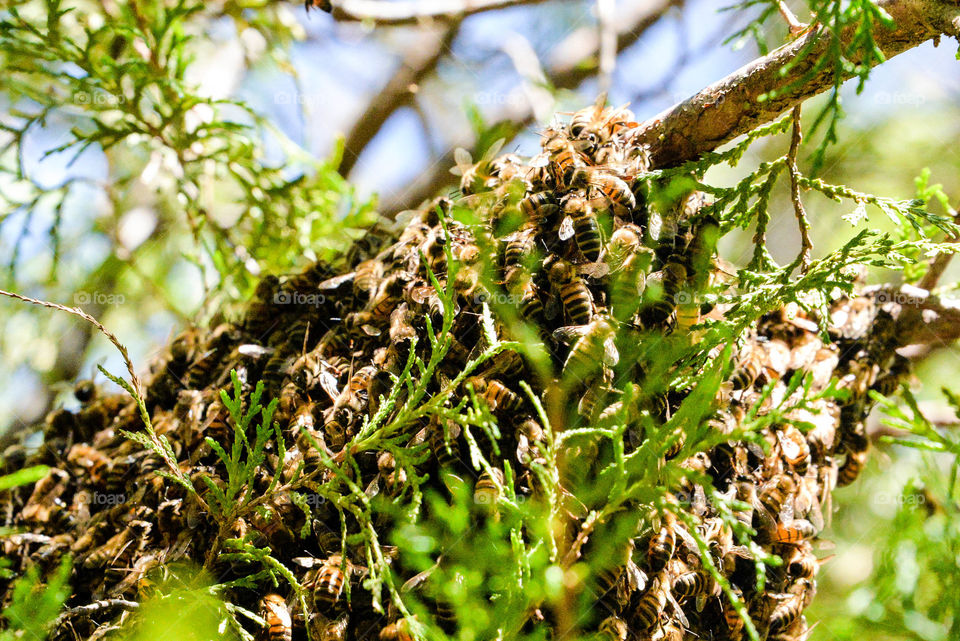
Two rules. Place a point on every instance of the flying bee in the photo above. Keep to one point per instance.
(366, 277)
(539, 207)
(574, 294)
(608, 189)
(276, 614)
(594, 347)
(585, 227)
(853, 464)
(662, 544)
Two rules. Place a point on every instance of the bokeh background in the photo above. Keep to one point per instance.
(388, 104)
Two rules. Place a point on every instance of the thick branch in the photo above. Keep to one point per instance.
(733, 106)
(421, 59)
(921, 318)
(412, 11)
(573, 61)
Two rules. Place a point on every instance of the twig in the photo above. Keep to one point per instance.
(795, 26)
(76, 311)
(608, 43)
(806, 245)
(939, 263)
(420, 60)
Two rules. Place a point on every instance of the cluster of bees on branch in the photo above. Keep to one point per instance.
(567, 242)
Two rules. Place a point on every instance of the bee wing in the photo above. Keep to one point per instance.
(566, 228)
(681, 617)
(370, 330)
(494, 149)
(336, 281)
(254, 351)
(552, 309)
(415, 581)
(610, 354)
(570, 333)
(328, 383)
(306, 561)
(594, 270)
(540, 160)
(463, 159)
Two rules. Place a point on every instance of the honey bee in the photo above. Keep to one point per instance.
(85, 391)
(276, 614)
(486, 492)
(585, 227)
(594, 346)
(749, 367)
(568, 164)
(121, 547)
(691, 584)
(529, 433)
(576, 298)
(98, 465)
(476, 177)
(775, 493)
(367, 277)
(802, 563)
(539, 207)
(662, 544)
(795, 531)
(731, 617)
(327, 578)
(521, 285)
(791, 606)
(795, 449)
(853, 464)
(498, 396)
(399, 630)
(519, 245)
(587, 125)
(611, 190)
(323, 5)
(648, 607)
(45, 501)
(613, 628)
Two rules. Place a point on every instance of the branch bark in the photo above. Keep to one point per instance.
(413, 11)
(921, 317)
(420, 60)
(732, 106)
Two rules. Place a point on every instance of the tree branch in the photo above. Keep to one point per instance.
(921, 318)
(421, 59)
(413, 11)
(574, 60)
(733, 106)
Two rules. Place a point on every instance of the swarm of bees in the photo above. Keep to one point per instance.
(569, 243)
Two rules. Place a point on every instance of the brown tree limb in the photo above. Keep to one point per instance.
(921, 318)
(412, 11)
(574, 60)
(733, 106)
(421, 59)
